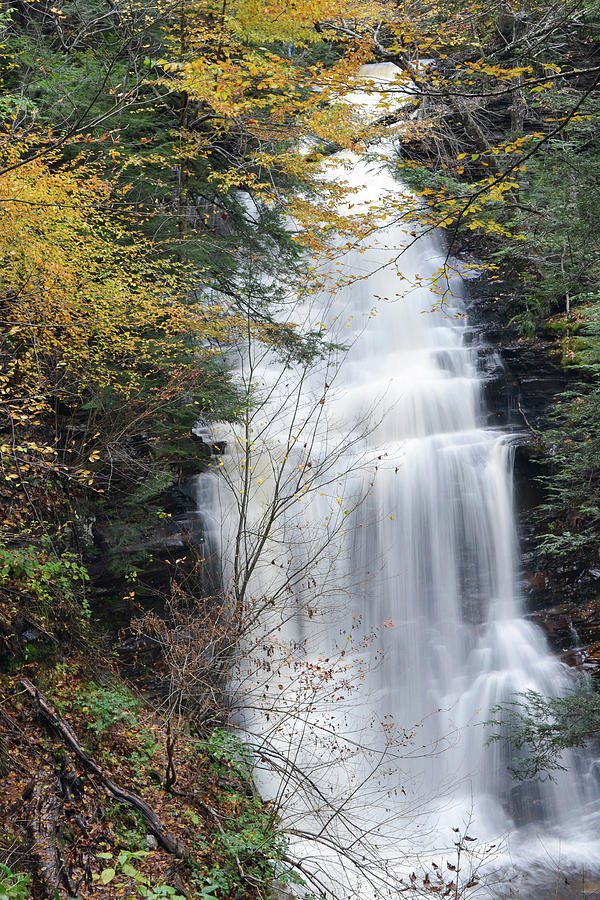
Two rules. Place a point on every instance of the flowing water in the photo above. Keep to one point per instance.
(397, 622)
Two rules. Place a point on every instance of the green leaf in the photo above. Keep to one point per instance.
(129, 870)
(107, 875)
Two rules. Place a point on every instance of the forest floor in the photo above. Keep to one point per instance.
(60, 824)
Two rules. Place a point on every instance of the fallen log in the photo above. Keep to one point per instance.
(164, 837)
(44, 829)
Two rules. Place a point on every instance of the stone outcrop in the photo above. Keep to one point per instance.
(523, 378)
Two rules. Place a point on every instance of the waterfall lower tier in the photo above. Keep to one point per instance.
(377, 533)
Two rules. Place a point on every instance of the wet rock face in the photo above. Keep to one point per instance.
(536, 375)
(175, 546)
(564, 598)
(520, 391)
(562, 595)
(573, 630)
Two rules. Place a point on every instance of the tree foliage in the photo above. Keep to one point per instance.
(131, 253)
(544, 727)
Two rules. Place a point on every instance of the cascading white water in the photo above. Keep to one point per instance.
(428, 542)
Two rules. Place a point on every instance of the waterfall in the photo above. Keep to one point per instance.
(389, 618)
